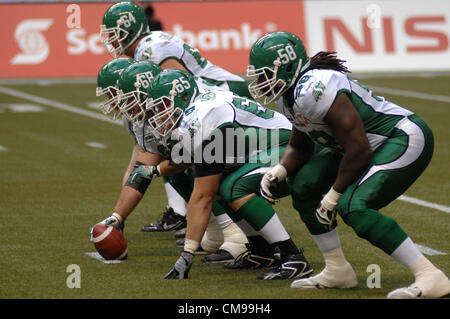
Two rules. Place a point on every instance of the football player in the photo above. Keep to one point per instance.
(174, 216)
(384, 148)
(125, 31)
(189, 122)
(223, 237)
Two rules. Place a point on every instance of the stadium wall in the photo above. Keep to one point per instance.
(62, 40)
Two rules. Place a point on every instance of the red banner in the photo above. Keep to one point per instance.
(62, 40)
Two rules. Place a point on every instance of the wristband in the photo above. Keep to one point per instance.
(116, 215)
(191, 245)
(330, 199)
(279, 171)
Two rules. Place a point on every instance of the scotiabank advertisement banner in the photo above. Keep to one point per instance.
(62, 39)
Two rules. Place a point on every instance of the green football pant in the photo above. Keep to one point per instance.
(394, 167)
(183, 183)
(245, 181)
(310, 183)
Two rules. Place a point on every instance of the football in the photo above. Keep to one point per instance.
(109, 242)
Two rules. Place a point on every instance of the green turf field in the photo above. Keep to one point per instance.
(54, 187)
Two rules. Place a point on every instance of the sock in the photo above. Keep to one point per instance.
(407, 253)
(262, 218)
(259, 245)
(327, 241)
(287, 247)
(175, 200)
(274, 231)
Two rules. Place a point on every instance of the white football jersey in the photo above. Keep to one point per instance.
(316, 91)
(159, 46)
(143, 134)
(214, 110)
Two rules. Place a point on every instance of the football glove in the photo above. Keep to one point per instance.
(326, 213)
(145, 171)
(114, 220)
(270, 181)
(182, 266)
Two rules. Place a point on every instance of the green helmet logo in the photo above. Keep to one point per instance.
(276, 60)
(134, 87)
(107, 85)
(171, 92)
(123, 24)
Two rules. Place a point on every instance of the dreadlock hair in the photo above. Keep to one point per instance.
(327, 60)
(322, 60)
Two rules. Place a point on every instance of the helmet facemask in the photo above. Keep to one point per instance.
(111, 105)
(133, 103)
(112, 40)
(265, 87)
(165, 115)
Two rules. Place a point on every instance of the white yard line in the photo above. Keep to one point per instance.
(420, 202)
(417, 95)
(98, 116)
(95, 145)
(97, 256)
(57, 105)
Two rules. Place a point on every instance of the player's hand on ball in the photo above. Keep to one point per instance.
(182, 266)
(114, 220)
(145, 171)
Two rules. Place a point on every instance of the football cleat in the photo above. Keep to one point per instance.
(432, 284)
(169, 221)
(218, 257)
(342, 277)
(181, 233)
(251, 260)
(200, 251)
(410, 292)
(295, 266)
(180, 242)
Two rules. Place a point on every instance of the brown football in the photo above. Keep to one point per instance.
(109, 242)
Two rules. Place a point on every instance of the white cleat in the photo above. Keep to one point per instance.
(339, 277)
(432, 284)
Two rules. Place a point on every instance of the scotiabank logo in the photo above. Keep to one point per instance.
(32, 43)
(226, 39)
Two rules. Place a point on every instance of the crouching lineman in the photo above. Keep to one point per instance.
(125, 31)
(384, 147)
(223, 239)
(189, 122)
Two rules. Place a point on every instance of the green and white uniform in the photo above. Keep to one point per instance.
(159, 46)
(227, 118)
(401, 141)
